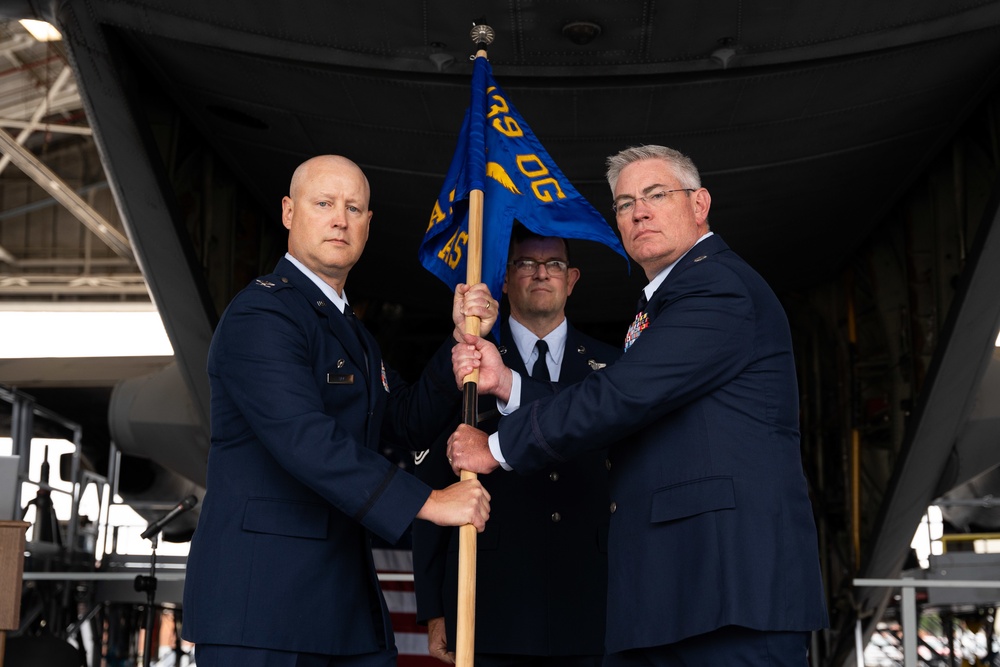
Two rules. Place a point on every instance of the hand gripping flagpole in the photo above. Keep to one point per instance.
(465, 627)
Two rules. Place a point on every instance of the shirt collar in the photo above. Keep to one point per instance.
(328, 291)
(658, 279)
(524, 340)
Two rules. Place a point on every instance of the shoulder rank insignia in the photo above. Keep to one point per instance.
(385, 384)
(264, 283)
(418, 457)
(595, 365)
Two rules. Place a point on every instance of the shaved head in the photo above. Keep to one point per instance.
(325, 161)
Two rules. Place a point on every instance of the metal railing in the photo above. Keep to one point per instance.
(908, 608)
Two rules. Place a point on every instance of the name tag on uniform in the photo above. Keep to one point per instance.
(347, 378)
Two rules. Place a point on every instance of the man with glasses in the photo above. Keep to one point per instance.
(712, 552)
(542, 574)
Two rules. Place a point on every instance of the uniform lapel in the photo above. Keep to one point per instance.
(701, 251)
(574, 362)
(375, 379)
(335, 319)
(575, 356)
(342, 329)
(508, 349)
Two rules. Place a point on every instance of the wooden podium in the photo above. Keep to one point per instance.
(11, 572)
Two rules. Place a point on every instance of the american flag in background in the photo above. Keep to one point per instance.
(395, 572)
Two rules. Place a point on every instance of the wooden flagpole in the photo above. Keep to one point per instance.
(465, 625)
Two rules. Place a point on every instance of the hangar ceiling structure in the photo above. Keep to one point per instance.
(850, 149)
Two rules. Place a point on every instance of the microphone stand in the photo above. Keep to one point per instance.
(148, 584)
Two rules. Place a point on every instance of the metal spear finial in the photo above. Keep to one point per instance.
(481, 34)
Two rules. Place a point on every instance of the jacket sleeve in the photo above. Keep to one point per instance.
(699, 338)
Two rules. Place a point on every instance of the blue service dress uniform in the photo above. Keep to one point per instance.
(281, 557)
(542, 561)
(711, 522)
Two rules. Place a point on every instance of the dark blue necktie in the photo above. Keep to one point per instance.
(540, 371)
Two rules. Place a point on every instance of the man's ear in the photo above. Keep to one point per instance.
(572, 275)
(286, 211)
(702, 202)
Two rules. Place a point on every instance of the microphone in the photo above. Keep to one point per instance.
(157, 526)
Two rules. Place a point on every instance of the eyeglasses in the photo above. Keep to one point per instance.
(528, 267)
(654, 200)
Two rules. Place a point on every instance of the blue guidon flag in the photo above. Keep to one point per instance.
(499, 154)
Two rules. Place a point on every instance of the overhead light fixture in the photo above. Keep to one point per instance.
(40, 30)
(47, 331)
(439, 58)
(581, 32)
(723, 56)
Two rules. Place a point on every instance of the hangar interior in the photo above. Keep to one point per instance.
(131, 188)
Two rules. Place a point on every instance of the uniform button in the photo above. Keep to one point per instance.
(284, 280)
(556, 517)
(614, 506)
(554, 476)
(607, 463)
